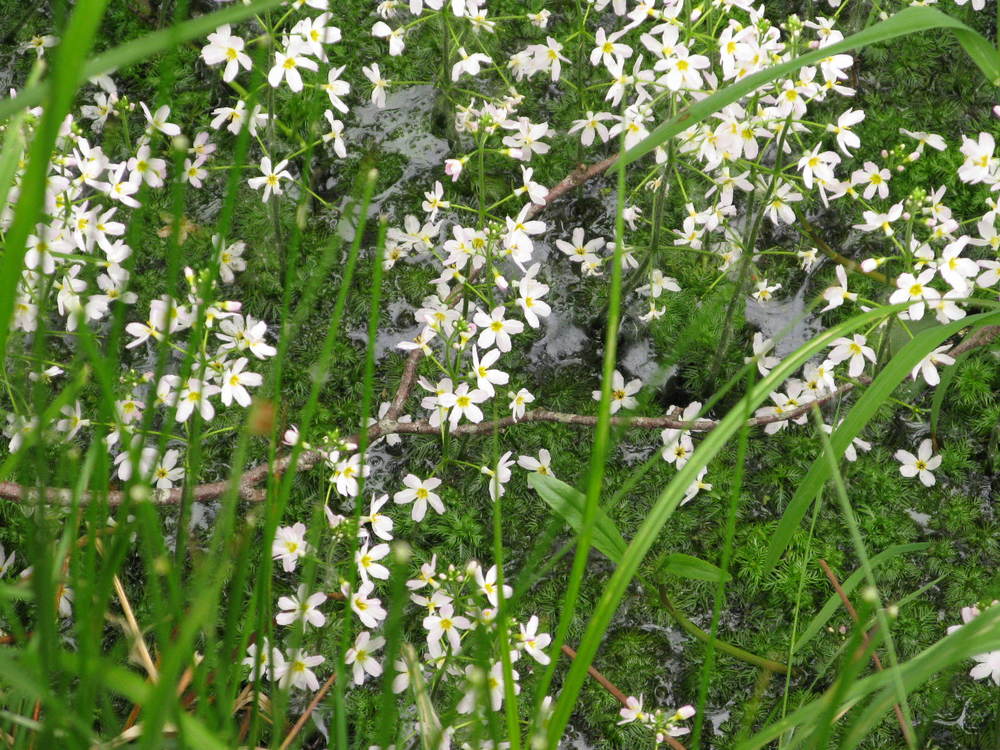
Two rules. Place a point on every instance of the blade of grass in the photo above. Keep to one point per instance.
(664, 507)
(897, 369)
(833, 603)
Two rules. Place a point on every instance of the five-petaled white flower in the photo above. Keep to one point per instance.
(287, 64)
(270, 178)
(289, 545)
(421, 493)
(622, 393)
(920, 465)
(223, 47)
(360, 656)
(301, 607)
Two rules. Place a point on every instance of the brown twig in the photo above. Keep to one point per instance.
(297, 727)
(618, 694)
(832, 577)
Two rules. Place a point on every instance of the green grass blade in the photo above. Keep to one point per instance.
(833, 603)
(665, 505)
(864, 410)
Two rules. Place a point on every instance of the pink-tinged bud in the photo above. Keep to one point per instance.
(868, 265)
(996, 111)
(453, 168)
(232, 306)
(291, 436)
(685, 712)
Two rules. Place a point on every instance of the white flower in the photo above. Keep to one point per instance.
(922, 464)
(230, 259)
(533, 642)
(915, 289)
(73, 421)
(263, 659)
(367, 560)
(420, 492)
(468, 63)
(499, 475)
(270, 177)
(622, 393)
(297, 671)
(496, 329)
(287, 64)
(336, 88)
(234, 382)
(346, 473)
(382, 30)
(488, 585)
(379, 84)
(462, 402)
(835, 295)
(289, 545)
(928, 365)
(360, 655)
(301, 607)
(988, 666)
(166, 472)
(632, 710)
(335, 134)
(855, 349)
(446, 624)
(196, 394)
(518, 401)
(541, 465)
(485, 377)
(223, 47)
(761, 347)
(159, 122)
(381, 524)
(368, 609)
(765, 291)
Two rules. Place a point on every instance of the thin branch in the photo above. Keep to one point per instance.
(297, 727)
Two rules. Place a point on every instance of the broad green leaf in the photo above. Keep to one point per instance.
(687, 566)
(861, 413)
(568, 503)
(908, 21)
(833, 603)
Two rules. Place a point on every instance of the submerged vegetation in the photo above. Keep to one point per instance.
(483, 374)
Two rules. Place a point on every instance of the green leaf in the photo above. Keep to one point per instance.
(568, 503)
(908, 21)
(833, 603)
(892, 375)
(687, 566)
